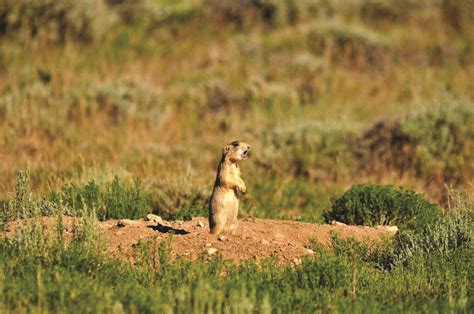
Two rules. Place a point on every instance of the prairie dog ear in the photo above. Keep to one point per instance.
(226, 149)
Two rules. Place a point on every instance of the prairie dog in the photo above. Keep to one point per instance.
(224, 204)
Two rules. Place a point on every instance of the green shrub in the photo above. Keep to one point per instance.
(453, 232)
(118, 199)
(110, 200)
(372, 205)
(445, 238)
(23, 205)
(22, 195)
(114, 200)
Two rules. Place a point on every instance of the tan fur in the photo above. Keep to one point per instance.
(224, 204)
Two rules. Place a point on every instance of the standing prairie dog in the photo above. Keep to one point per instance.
(224, 204)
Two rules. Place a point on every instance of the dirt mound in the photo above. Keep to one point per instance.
(255, 239)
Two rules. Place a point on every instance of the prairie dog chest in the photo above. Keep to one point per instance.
(230, 172)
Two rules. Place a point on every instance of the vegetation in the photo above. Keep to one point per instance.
(436, 144)
(375, 205)
(429, 270)
(119, 108)
(114, 201)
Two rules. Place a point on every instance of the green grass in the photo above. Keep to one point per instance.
(41, 273)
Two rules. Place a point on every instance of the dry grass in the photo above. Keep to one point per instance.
(159, 101)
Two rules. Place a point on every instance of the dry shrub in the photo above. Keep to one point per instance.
(218, 97)
(307, 73)
(54, 21)
(270, 94)
(436, 144)
(151, 13)
(314, 151)
(459, 15)
(244, 13)
(137, 11)
(240, 12)
(353, 46)
(181, 199)
(118, 101)
(384, 146)
(387, 12)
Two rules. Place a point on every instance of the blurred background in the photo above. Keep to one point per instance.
(133, 100)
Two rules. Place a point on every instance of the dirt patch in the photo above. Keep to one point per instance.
(255, 239)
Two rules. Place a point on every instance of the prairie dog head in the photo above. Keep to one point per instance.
(236, 151)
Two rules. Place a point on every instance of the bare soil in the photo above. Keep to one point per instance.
(255, 238)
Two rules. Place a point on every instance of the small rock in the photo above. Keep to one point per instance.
(208, 244)
(265, 242)
(391, 229)
(200, 224)
(221, 237)
(296, 261)
(337, 223)
(211, 251)
(128, 222)
(154, 218)
(309, 251)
